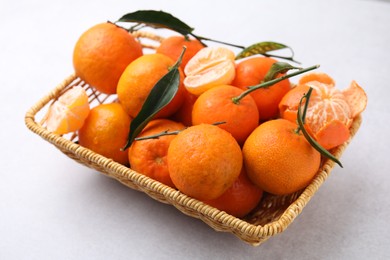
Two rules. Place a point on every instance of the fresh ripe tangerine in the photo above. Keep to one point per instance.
(251, 72)
(102, 53)
(149, 156)
(210, 67)
(173, 46)
(204, 161)
(139, 78)
(330, 111)
(216, 105)
(68, 113)
(278, 159)
(240, 199)
(105, 131)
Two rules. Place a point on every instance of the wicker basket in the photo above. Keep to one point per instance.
(272, 216)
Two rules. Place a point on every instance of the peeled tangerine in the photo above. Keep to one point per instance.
(330, 112)
(210, 67)
(69, 112)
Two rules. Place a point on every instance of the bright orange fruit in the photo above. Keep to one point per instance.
(216, 105)
(139, 78)
(173, 46)
(240, 199)
(102, 53)
(149, 156)
(105, 131)
(204, 161)
(330, 111)
(278, 160)
(210, 67)
(251, 72)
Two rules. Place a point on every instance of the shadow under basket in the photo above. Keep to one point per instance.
(272, 216)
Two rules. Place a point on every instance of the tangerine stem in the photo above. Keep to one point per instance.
(236, 100)
(167, 132)
(301, 127)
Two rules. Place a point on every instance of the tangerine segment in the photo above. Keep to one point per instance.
(317, 76)
(149, 157)
(68, 113)
(216, 105)
(204, 161)
(210, 67)
(278, 160)
(240, 199)
(327, 110)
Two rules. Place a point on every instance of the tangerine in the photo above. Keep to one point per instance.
(210, 67)
(102, 53)
(172, 47)
(149, 157)
(204, 161)
(330, 111)
(139, 78)
(240, 199)
(216, 105)
(251, 72)
(278, 159)
(105, 131)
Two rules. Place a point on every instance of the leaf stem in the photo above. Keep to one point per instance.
(266, 84)
(201, 38)
(167, 132)
(301, 127)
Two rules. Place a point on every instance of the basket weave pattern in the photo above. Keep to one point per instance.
(272, 216)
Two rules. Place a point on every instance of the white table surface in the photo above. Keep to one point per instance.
(54, 208)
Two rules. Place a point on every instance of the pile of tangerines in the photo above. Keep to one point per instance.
(210, 141)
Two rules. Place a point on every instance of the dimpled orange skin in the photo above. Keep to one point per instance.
(102, 53)
(140, 77)
(105, 132)
(216, 105)
(204, 161)
(278, 160)
(149, 157)
(251, 72)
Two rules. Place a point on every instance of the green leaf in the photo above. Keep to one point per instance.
(158, 19)
(301, 119)
(161, 95)
(263, 48)
(277, 68)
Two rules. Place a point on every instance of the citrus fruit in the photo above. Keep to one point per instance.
(68, 113)
(204, 161)
(105, 131)
(173, 46)
(240, 199)
(139, 78)
(216, 105)
(278, 159)
(211, 66)
(251, 72)
(330, 111)
(149, 156)
(102, 53)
